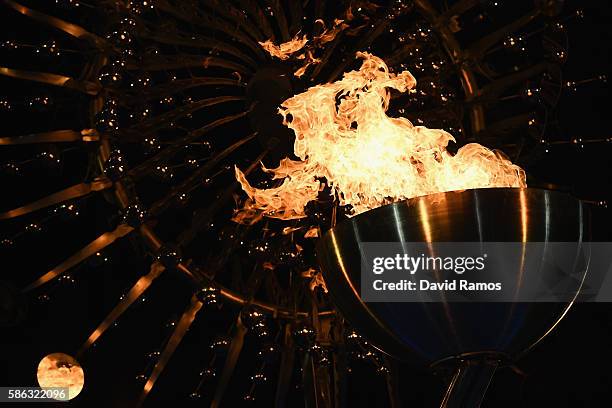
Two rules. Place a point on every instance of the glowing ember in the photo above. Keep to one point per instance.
(310, 60)
(316, 279)
(345, 139)
(61, 370)
(312, 233)
(287, 49)
(284, 50)
(328, 35)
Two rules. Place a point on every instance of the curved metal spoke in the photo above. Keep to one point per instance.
(178, 86)
(280, 18)
(477, 50)
(135, 292)
(69, 28)
(329, 51)
(239, 331)
(182, 111)
(230, 362)
(258, 15)
(401, 54)
(167, 62)
(286, 368)
(201, 42)
(179, 332)
(226, 10)
(194, 179)
(169, 151)
(497, 87)
(457, 8)
(319, 9)
(69, 193)
(209, 23)
(56, 136)
(87, 87)
(203, 215)
(96, 245)
(296, 14)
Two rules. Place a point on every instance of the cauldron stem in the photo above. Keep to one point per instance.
(469, 384)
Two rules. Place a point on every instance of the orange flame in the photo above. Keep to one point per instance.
(310, 60)
(368, 159)
(284, 50)
(312, 233)
(329, 35)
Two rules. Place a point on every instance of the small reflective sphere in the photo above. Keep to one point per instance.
(61, 370)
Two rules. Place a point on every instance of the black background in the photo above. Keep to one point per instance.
(569, 369)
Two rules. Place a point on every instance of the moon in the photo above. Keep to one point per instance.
(61, 370)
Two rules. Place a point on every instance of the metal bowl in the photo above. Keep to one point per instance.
(430, 332)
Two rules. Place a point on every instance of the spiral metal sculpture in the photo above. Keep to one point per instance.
(159, 99)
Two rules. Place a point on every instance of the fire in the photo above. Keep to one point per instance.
(287, 49)
(284, 50)
(310, 60)
(329, 35)
(345, 140)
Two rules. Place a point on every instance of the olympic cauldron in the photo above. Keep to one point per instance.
(461, 332)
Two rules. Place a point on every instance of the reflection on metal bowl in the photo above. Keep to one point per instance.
(430, 332)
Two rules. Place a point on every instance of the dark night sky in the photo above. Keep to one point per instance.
(569, 369)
